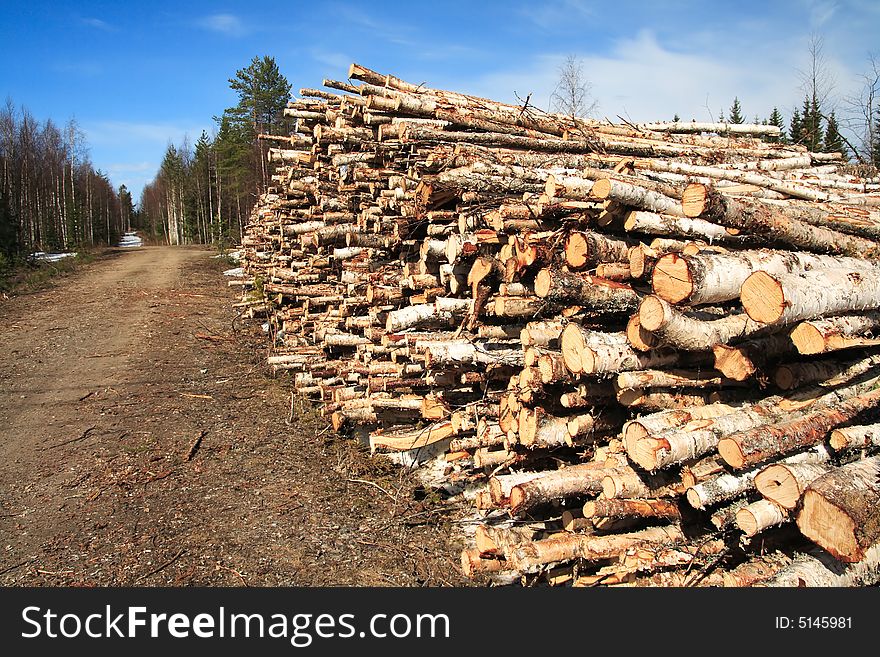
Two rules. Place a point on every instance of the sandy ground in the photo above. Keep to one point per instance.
(144, 444)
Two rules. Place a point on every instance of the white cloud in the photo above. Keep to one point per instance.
(336, 61)
(127, 132)
(642, 79)
(226, 24)
(553, 15)
(98, 24)
(131, 167)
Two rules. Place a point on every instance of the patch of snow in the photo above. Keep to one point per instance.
(40, 256)
(130, 240)
(235, 256)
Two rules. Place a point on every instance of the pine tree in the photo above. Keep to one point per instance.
(833, 140)
(676, 118)
(262, 93)
(262, 96)
(736, 115)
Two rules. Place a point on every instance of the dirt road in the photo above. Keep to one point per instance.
(142, 443)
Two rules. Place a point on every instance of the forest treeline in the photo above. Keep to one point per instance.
(51, 196)
(203, 192)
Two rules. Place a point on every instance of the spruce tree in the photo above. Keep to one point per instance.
(833, 140)
(796, 127)
(875, 147)
(811, 125)
(736, 112)
(776, 119)
(676, 118)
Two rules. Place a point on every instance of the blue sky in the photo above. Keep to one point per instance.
(137, 76)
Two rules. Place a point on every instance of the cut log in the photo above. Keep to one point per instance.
(672, 379)
(821, 336)
(789, 298)
(635, 196)
(841, 510)
(745, 448)
(582, 479)
(823, 570)
(674, 329)
(632, 508)
(587, 291)
(588, 248)
(593, 352)
(716, 277)
(590, 548)
(669, 225)
(701, 201)
(745, 359)
(785, 484)
(754, 518)
(857, 437)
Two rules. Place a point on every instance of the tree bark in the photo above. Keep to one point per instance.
(588, 291)
(822, 570)
(754, 518)
(761, 220)
(673, 329)
(746, 448)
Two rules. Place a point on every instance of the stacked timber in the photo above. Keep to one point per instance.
(632, 349)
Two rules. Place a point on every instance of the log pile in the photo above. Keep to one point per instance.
(643, 354)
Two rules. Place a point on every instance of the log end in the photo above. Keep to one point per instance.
(519, 500)
(763, 297)
(572, 345)
(776, 483)
(784, 377)
(747, 522)
(577, 250)
(640, 338)
(644, 452)
(694, 499)
(732, 362)
(653, 313)
(671, 279)
(601, 188)
(693, 200)
(829, 527)
(808, 339)
(543, 283)
(731, 452)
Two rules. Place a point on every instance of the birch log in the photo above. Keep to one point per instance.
(841, 510)
(789, 298)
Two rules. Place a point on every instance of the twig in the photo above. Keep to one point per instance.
(18, 565)
(85, 434)
(162, 567)
(195, 445)
(233, 570)
(375, 485)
